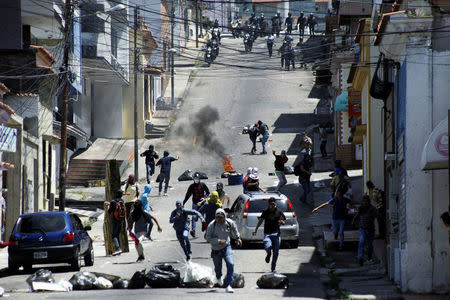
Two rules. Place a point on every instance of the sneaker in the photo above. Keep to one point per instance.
(273, 271)
(192, 232)
(268, 258)
(140, 258)
(165, 194)
(361, 262)
(229, 289)
(219, 282)
(117, 252)
(188, 257)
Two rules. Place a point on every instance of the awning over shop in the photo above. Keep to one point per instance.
(341, 103)
(435, 151)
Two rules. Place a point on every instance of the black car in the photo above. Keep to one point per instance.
(47, 238)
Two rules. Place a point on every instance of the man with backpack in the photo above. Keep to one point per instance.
(179, 219)
(118, 211)
(280, 160)
(141, 220)
(303, 171)
(219, 235)
(339, 214)
(150, 156)
(264, 132)
(199, 191)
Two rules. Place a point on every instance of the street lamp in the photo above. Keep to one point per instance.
(172, 52)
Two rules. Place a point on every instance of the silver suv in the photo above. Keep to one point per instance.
(247, 208)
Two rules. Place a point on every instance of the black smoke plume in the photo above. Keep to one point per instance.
(201, 127)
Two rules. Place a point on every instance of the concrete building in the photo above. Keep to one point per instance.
(31, 48)
(405, 103)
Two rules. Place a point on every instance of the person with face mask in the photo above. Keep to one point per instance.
(273, 218)
(280, 160)
(222, 194)
(179, 219)
(208, 207)
(199, 191)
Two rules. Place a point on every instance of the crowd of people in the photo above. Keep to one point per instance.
(132, 209)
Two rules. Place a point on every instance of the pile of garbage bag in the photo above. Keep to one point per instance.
(42, 280)
(189, 175)
(159, 276)
(273, 281)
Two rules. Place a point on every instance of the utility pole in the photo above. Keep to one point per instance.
(135, 74)
(65, 81)
(196, 23)
(172, 73)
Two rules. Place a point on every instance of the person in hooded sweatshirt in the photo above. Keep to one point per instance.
(199, 191)
(145, 197)
(209, 206)
(179, 219)
(141, 220)
(219, 235)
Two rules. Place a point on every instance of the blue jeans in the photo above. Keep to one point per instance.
(117, 228)
(272, 244)
(150, 171)
(183, 238)
(263, 142)
(194, 218)
(338, 228)
(227, 255)
(306, 188)
(365, 239)
(281, 179)
(165, 178)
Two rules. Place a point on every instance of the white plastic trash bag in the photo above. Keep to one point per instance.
(103, 283)
(196, 272)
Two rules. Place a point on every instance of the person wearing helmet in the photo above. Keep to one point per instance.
(219, 235)
(199, 191)
(150, 156)
(164, 175)
(252, 184)
(301, 22)
(289, 21)
(311, 24)
(280, 160)
(179, 219)
(246, 177)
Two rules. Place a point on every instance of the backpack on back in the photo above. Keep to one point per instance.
(120, 211)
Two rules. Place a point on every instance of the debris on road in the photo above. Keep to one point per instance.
(238, 281)
(273, 281)
(138, 280)
(189, 175)
(198, 276)
(160, 278)
(41, 275)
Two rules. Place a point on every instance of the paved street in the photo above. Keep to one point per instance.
(243, 88)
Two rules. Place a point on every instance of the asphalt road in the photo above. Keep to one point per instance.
(243, 88)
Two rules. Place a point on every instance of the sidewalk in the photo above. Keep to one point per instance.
(340, 271)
